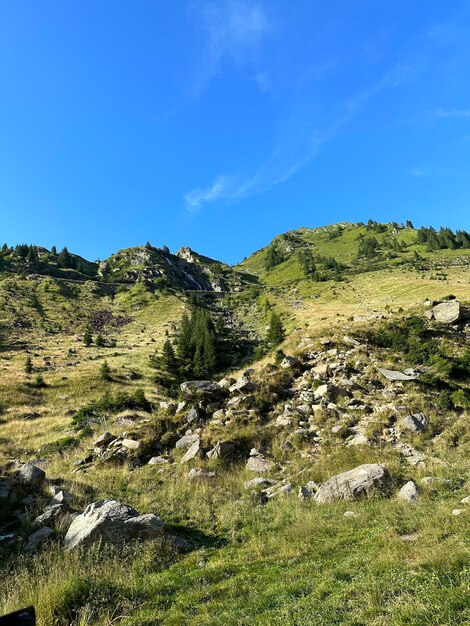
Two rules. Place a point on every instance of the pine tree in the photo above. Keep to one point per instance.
(33, 256)
(168, 358)
(99, 341)
(28, 365)
(53, 250)
(184, 339)
(64, 260)
(209, 351)
(105, 371)
(273, 257)
(198, 363)
(87, 337)
(276, 331)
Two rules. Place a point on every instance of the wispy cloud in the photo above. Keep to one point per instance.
(195, 198)
(300, 142)
(231, 30)
(236, 30)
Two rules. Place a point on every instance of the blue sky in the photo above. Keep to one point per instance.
(221, 124)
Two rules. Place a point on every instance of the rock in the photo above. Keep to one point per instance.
(242, 386)
(222, 450)
(157, 460)
(409, 492)
(356, 482)
(351, 341)
(449, 312)
(31, 476)
(358, 440)
(200, 474)
(241, 401)
(111, 522)
(60, 497)
(181, 407)
(350, 514)
(284, 490)
(30, 416)
(416, 423)
(287, 446)
(465, 500)
(288, 361)
(258, 483)
(50, 514)
(312, 486)
(320, 392)
(192, 415)
(130, 444)
(194, 451)
(219, 414)
(396, 375)
(259, 464)
(38, 538)
(201, 388)
(104, 441)
(457, 512)
(411, 455)
(225, 383)
(6, 489)
(186, 442)
(304, 493)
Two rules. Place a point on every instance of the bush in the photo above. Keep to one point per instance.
(39, 382)
(112, 404)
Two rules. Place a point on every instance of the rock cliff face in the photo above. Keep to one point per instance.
(185, 270)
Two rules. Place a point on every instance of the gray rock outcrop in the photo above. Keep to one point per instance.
(111, 522)
(357, 482)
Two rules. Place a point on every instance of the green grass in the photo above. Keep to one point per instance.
(286, 563)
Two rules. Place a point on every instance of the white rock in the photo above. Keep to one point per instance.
(409, 492)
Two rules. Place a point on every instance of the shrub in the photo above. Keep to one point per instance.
(112, 404)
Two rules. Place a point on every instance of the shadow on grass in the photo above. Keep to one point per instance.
(195, 537)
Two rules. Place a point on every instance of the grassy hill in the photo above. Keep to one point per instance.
(244, 553)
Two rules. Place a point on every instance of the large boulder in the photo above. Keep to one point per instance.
(6, 490)
(31, 476)
(195, 451)
(200, 473)
(222, 450)
(104, 440)
(186, 441)
(201, 389)
(38, 538)
(357, 482)
(409, 492)
(449, 312)
(415, 422)
(110, 521)
(396, 375)
(259, 464)
(243, 385)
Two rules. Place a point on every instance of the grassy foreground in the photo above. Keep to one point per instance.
(289, 562)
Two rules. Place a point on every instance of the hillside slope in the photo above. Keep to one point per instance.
(241, 512)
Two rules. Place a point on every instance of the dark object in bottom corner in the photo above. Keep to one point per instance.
(25, 617)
